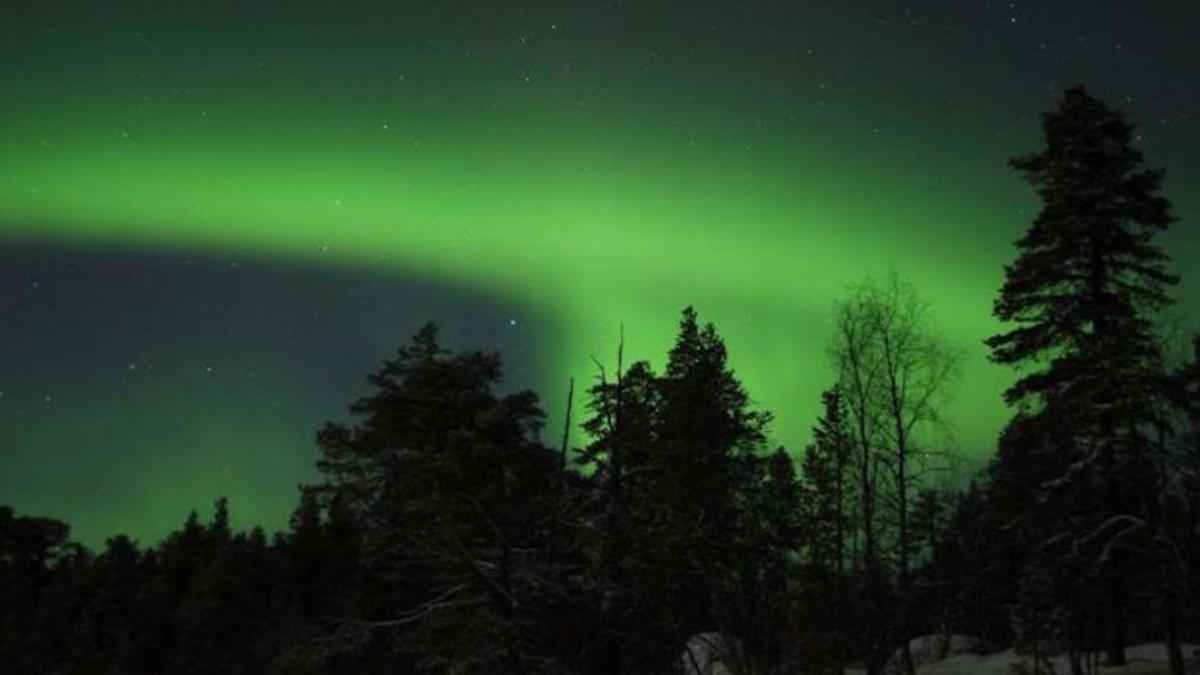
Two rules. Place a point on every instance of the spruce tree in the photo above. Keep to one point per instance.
(678, 477)
(827, 487)
(707, 433)
(831, 444)
(1082, 292)
(1089, 274)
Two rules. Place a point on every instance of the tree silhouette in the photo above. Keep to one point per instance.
(1082, 291)
(825, 527)
(452, 488)
(442, 536)
(677, 468)
(895, 372)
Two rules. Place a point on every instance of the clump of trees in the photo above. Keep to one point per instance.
(445, 537)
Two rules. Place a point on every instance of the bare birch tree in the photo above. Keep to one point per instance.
(895, 372)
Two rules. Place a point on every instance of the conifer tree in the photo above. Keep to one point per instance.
(1082, 292)
(635, 551)
(1088, 274)
(825, 529)
(830, 473)
(451, 488)
(829, 488)
(678, 473)
(708, 435)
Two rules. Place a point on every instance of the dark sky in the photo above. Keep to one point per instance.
(216, 217)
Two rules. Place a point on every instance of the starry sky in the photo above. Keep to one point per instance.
(216, 217)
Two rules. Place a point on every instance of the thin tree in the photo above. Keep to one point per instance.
(897, 372)
(919, 369)
(853, 352)
(828, 485)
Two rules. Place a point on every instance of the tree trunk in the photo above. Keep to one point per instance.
(1174, 648)
(906, 660)
(1168, 606)
(871, 632)
(1114, 610)
(1114, 638)
(839, 587)
(1074, 661)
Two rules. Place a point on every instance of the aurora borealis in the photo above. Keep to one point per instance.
(260, 200)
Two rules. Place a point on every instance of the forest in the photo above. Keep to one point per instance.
(447, 535)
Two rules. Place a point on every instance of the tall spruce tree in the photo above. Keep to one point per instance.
(706, 424)
(1088, 275)
(1082, 292)
(677, 470)
(708, 435)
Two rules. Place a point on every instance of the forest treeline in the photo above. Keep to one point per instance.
(445, 536)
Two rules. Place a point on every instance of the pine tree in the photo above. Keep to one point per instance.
(707, 433)
(831, 445)
(706, 424)
(107, 632)
(826, 486)
(1082, 293)
(635, 548)
(30, 550)
(223, 622)
(1088, 272)
(969, 588)
(451, 488)
(761, 591)
(677, 473)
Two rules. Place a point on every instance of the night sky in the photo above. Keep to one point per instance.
(217, 217)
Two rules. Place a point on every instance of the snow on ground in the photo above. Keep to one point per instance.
(1148, 659)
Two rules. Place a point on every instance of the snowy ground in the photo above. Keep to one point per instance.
(1149, 659)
